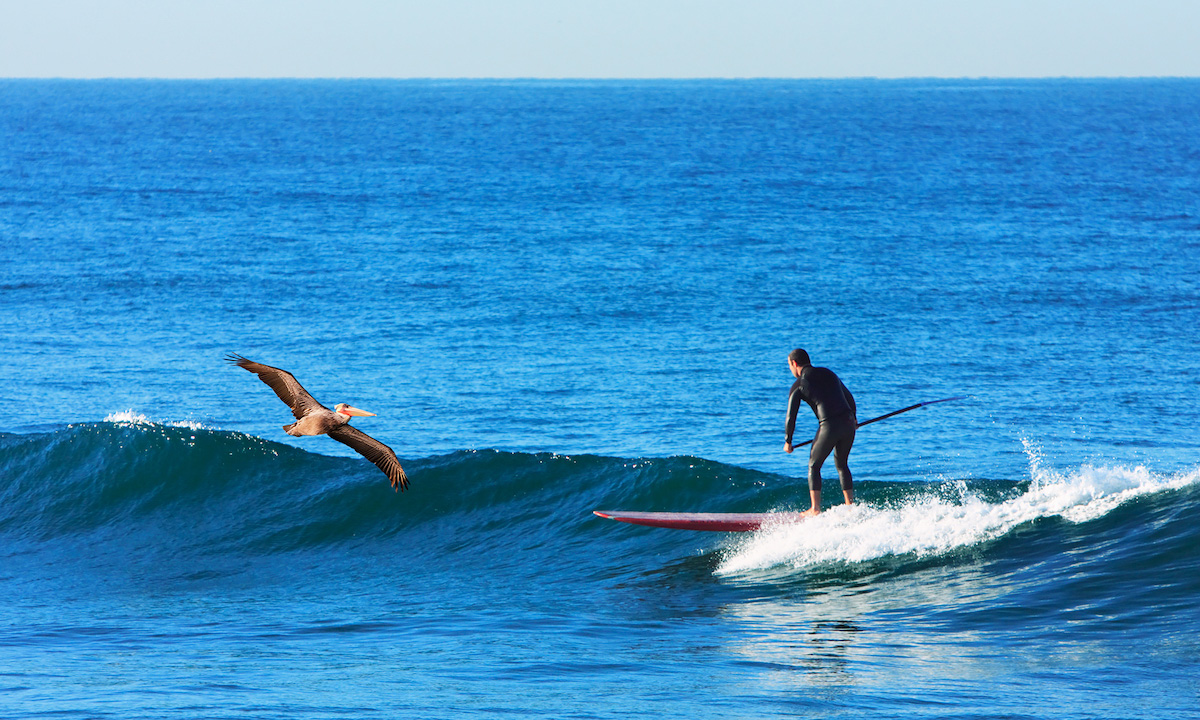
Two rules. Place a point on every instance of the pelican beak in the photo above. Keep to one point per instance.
(355, 412)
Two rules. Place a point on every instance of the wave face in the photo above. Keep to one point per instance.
(231, 492)
(146, 485)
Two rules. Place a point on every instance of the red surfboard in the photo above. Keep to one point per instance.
(714, 522)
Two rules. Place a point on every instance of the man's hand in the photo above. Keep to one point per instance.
(787, 447)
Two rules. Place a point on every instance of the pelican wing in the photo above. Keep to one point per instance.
(373, 450)
(283, 383)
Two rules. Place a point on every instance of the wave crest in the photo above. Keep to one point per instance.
(930, 524)
(132, 417)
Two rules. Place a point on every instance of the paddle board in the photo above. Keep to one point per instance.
(715, 522)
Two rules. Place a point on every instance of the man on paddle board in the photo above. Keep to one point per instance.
(837, 414)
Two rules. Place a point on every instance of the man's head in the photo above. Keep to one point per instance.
(798, 360)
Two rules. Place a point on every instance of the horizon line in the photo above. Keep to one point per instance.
(539, 78)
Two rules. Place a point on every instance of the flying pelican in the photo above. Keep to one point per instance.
(313, 418)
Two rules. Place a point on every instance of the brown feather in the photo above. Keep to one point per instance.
(373, 450)
(285, 385)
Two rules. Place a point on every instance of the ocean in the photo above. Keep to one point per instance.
(564, 296)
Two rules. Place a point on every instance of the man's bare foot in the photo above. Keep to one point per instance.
(811, 512)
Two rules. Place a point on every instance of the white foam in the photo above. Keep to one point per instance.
(932, 525)
(130, 417)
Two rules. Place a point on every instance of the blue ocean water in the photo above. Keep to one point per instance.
(568, 296)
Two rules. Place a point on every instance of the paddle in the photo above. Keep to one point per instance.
(896, 412)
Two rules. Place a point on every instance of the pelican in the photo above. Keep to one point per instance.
(313, 418)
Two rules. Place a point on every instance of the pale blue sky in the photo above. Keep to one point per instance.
(599, 39)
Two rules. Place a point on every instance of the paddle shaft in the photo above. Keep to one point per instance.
(895, 412)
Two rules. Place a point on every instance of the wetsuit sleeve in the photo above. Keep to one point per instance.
(850, 399)
(794, 400)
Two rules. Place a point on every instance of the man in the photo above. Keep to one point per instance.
(834, 407)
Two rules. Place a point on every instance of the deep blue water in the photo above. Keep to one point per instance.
(567, 296)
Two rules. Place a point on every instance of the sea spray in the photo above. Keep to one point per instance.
(129, 418)
(927, 523)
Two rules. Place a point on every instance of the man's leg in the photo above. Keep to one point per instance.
(841, 459)
(823, 444)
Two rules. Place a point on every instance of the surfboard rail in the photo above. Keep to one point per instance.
(710, 522)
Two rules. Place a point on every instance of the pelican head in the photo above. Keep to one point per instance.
(348, 411)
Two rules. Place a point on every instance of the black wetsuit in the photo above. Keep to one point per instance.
(834, 407)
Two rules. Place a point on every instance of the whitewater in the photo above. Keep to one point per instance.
(929, 523)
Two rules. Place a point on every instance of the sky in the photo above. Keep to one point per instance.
(598, 38)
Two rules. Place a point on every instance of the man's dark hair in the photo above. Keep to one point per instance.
(799, 357)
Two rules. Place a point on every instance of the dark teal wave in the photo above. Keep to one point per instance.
(134, 486)
(226, 490)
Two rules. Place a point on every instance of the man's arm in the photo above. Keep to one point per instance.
(850, 399)
(794, 401)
